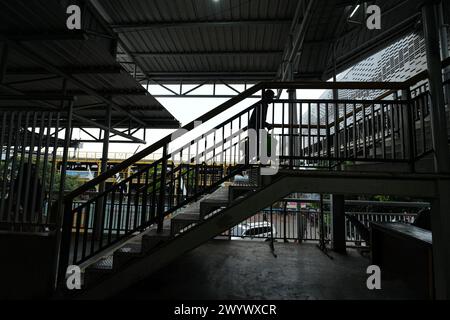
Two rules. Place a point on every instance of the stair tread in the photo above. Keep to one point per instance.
(215, 200)
(154, 233)
(187, 216)
(131, 248)
(104, 264)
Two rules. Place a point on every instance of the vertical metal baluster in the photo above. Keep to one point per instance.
(13, 168)
(21, 173)
(364, 123)
(41, 195)
(29, 213)
(77, 236)
(86, 230)
(327, 128)
(162, 191)
(423, 101)
(374, 143)
(318, 131)
(53, 168)
(119, 214)
(309, 129)
(95, 228)
(103, 219)
(392, 127)
(336, 130)
(355, 138)
(128, 213)
(282, 131)
(383, 136)
(300, 129)
(5, 171)
(36, 218)
(5, 166)
(345, 136)
(111, 215)
(136, 201)
(155, 177)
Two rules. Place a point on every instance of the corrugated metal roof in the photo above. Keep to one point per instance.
(37, 29)
(244, 37)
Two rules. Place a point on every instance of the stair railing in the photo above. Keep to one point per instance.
(154, 191)
(218, 152)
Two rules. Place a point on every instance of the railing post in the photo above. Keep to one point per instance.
(66, 234)
(408, 127)
(162, 191)
(292, 120)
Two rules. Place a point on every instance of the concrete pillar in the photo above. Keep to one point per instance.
(438, 116)
(338, 227)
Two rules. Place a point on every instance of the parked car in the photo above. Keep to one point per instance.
(254, 231)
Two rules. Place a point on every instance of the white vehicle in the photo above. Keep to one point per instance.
(254, 231)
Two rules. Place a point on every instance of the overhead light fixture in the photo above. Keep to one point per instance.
(355, 10)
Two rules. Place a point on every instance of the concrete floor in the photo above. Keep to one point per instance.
(223, 269)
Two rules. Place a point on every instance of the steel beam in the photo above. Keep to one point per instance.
(200, 54)
(104, 93)
(84, 70)
(132, 27)
(26, 52)
(103, 127)
(102, 12)
(239, 77)
(45, 36)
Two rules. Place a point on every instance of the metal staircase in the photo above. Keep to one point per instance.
(123, 232)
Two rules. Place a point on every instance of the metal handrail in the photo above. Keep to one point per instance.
(232, 102)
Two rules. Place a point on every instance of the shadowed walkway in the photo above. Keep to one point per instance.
(248, 270)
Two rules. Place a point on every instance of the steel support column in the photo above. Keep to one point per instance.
(438, 116)
(441, 206)
(338, 220)
(444, 51)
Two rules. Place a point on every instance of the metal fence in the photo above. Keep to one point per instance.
(29, 179)
(287, 225)
(305, 224)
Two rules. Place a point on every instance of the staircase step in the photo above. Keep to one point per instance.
(152, 239)
(210, 205)
(236, 191)
(99, 270)
(126, 253)
(182, 220)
